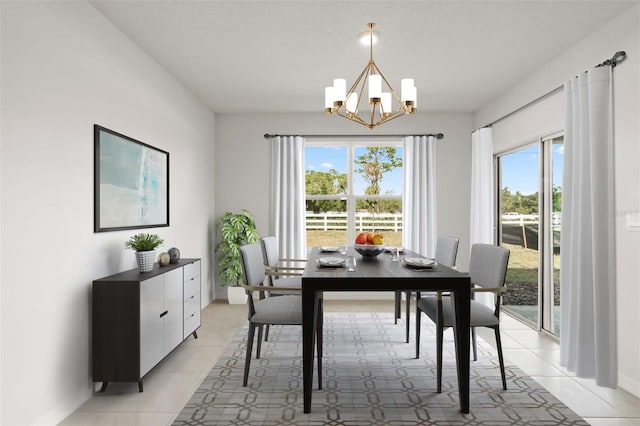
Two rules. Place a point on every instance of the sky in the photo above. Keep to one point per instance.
(519, 169)
(323, 159)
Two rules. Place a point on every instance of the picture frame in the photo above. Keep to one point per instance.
(131, 183)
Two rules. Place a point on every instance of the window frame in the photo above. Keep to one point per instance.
(351, 143)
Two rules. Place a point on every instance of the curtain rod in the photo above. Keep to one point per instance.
(435, 135)
(615, 59)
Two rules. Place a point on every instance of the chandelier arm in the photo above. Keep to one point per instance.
(393, 92)
(398, 113)
(353, 86)
(362, 80)
(353, 117)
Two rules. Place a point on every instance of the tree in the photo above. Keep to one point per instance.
(372, 166)
(325, 183)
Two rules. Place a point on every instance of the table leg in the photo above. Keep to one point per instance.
(309, 317)
(461, 300)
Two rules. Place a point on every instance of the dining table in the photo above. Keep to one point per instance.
(381, 273)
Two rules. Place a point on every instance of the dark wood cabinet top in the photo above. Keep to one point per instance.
(134, 275)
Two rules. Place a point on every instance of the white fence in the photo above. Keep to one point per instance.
(393, 221)
(364, 221)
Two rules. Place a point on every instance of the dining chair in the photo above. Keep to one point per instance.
(487, 272)
(285, 309)
(446, 254)
(279, 271)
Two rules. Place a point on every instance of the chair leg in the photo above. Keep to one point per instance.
(500, 358)
(319, 331)
(439, 342)
(266, 333)
(407, 295)
(259, 345)
(417, 326)
(247, 359)
(397, 306)
(473, 341)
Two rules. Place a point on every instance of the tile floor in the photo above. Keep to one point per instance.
(170, 385)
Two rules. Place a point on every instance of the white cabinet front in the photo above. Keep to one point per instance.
(151, 323)
(173, 320)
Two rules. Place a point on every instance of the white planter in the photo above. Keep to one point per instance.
(145, 260)
(236, 295)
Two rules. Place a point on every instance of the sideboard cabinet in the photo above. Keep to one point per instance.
(139, 318)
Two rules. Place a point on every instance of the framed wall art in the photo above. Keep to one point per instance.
(131, 183)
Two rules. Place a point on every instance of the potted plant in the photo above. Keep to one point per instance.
(235, 230)
(145, 247)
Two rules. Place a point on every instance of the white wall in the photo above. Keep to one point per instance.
(622, 33)
(242, 163)
(64, 68)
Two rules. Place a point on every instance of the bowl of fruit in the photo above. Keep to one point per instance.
(369, 244)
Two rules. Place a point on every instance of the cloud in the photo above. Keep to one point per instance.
(327, 166)
(560, 149)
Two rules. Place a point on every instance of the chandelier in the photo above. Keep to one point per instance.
(380, 109)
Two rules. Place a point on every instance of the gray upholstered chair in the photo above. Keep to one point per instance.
(446, 254)
(487, 270)
(281, 310)
(280, 272)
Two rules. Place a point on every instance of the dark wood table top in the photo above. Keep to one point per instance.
(379, 273)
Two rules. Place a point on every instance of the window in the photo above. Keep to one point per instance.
(530, 193)
(353, 187)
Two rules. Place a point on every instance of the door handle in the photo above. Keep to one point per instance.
(164, 313)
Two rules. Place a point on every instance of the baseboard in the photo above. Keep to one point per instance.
(58, 414)
(630, 385)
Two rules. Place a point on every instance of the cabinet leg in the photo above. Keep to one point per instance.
(195, 334)
(140, 385)
(104, 386)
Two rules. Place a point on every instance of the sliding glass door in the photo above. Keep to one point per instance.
(530, 190)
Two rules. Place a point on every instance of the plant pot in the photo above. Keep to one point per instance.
(145, 260)
(236, 295)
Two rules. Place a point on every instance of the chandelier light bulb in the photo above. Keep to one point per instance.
(328, 98)
(406, 85)
(385, 104)
(352, 103)
(375, 88)
(339, 89)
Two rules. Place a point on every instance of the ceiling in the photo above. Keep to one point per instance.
(277, 56)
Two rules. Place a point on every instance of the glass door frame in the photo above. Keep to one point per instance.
(545, 314)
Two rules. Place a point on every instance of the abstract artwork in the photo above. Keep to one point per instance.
(131, 183)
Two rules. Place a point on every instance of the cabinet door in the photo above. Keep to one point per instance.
(173, 321)
(151, 323)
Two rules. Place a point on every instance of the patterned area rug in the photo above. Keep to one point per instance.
(370, 378)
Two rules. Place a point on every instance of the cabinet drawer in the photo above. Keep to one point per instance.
(191, 270)
(191, 305)
(191, 287)
(191, 323)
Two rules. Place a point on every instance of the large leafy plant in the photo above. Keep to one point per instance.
(144, 242)
(234, 230)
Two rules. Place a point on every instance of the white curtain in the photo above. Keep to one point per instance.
(482, 187)
(482, 196)
(419, 199)
(587, 274)
(288, 199)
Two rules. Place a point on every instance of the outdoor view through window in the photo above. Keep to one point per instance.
(530, 202)
(352, 188)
